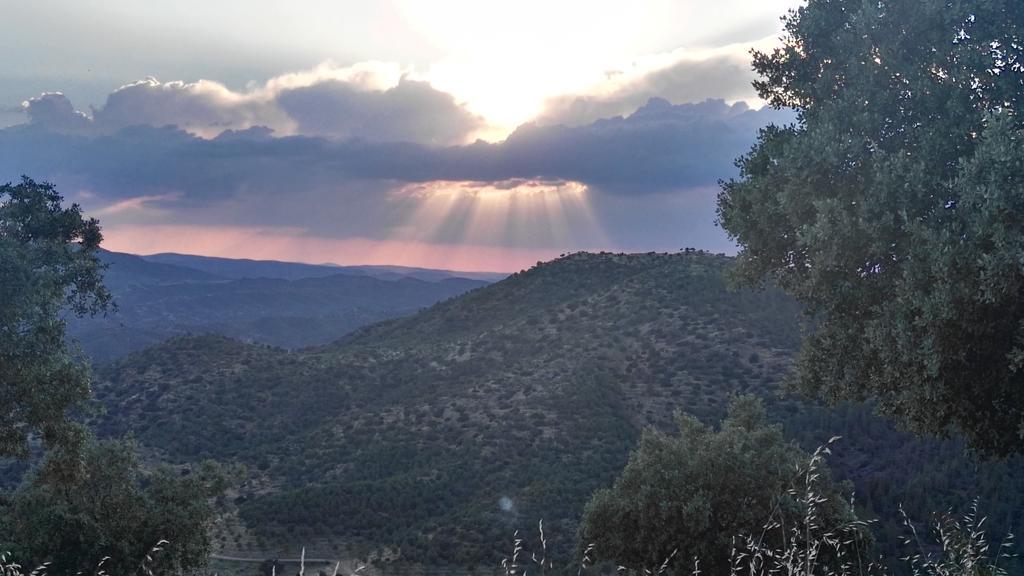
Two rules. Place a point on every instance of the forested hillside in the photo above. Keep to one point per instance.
(433, 437)
(280, 303)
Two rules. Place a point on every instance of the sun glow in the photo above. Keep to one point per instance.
(505, 59)
(521, 213)
(503, 226)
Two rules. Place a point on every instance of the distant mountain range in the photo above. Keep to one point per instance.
(433, 437)
(236, 269)
(285, 304)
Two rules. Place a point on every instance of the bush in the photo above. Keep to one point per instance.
(692, 494)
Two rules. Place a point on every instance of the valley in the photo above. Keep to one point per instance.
(285, 304)
(430, 439)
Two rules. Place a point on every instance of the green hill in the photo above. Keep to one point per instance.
(157, 300)
(432, 437)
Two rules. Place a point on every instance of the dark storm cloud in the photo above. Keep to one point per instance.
(658, 148)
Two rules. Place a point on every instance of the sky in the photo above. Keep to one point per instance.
(463, 134)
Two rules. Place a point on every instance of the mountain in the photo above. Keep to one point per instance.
(125, 270)
(429, 439)
(235, 269)
(158, 300)
(244, 268)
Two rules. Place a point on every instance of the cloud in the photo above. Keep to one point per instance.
(679, 76)
(136, 204)
(369, 101)
(642, 181)
(659, 148)
(410, 111)
(204, 108)
(687, 81)
(54, 111)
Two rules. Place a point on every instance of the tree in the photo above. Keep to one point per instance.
(693, 493)
(86, 500)
(48, 263)
(894, 208)
(116, 510)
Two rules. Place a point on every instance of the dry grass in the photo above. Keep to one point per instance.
(146, 566)
(953, 546)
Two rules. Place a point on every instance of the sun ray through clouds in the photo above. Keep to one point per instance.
(530, 214)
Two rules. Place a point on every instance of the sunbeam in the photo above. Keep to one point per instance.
(524, 213)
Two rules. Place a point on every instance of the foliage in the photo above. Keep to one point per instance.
(407, 435)
(893, 208)
(114, 510)
(694, 493)
(47, 262)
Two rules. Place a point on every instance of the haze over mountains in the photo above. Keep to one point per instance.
(428, 440)
(239, 268)
(280, 303)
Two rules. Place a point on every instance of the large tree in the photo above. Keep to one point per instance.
(694, 494)
(86, 500)
(48, 265)
(894, 207)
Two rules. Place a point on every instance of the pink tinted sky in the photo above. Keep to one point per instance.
(290, 245)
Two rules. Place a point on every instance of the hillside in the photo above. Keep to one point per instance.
(433, 437)
(297, 307)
